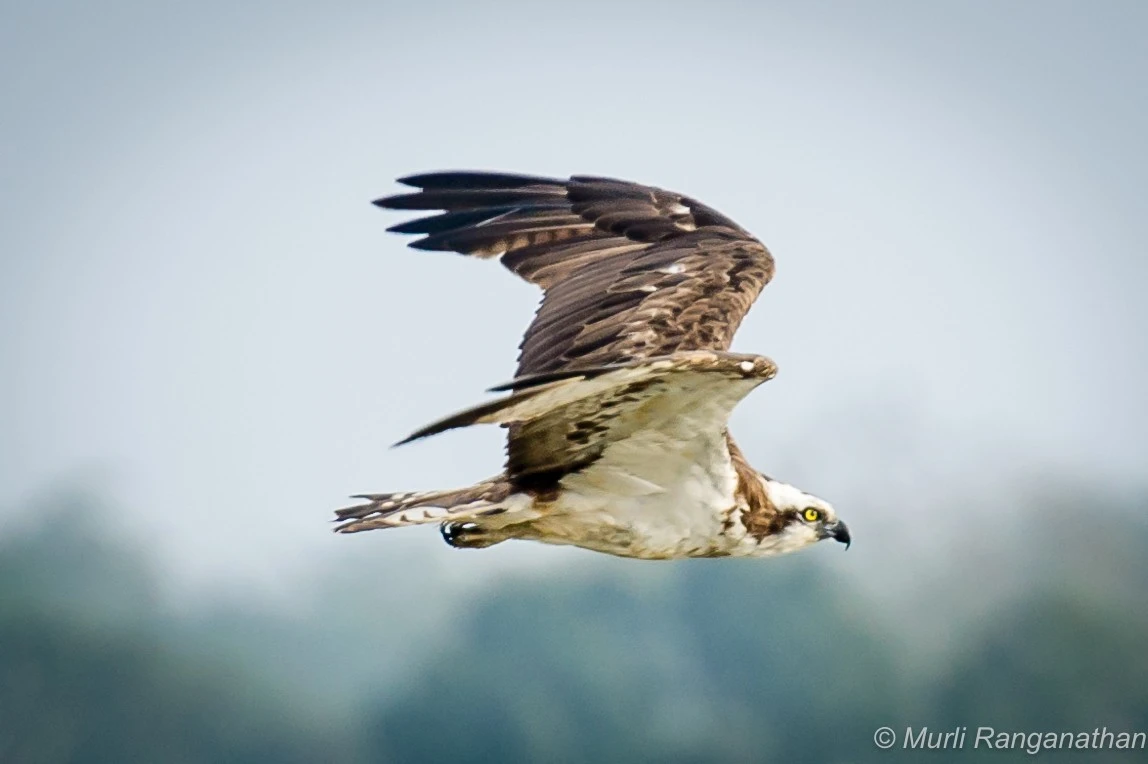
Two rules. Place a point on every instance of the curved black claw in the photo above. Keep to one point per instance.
(466, 536)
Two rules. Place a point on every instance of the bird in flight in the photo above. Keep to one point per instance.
(617, 416)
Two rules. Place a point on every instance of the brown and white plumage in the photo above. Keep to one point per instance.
(617, 415)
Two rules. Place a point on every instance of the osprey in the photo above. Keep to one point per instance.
(617, 415)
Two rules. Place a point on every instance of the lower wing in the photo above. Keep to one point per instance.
(562, 421)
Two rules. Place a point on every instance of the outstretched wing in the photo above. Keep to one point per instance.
(563, 421)
(629, 271)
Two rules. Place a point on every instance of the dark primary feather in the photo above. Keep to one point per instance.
(629, 271)
(473, 179)
(468, 417)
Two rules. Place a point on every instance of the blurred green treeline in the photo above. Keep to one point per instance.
(699, 661)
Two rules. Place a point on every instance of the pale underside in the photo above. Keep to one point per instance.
(667, 490)
(662, 483)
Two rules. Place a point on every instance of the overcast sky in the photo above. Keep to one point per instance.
(201, 313)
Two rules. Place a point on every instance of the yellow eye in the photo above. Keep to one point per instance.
(811, 515)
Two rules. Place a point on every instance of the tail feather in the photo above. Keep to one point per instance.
(392, 510)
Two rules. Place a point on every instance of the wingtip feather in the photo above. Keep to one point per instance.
(427, 244)
(412, 180)
(475, 179)
(425, 432)
(388, 202)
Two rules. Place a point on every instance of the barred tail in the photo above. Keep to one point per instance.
(392, 510)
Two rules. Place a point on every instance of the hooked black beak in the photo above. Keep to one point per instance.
(839, 532)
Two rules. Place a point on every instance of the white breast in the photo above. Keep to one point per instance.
(663, 492)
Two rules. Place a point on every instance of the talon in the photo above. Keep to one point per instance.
(466, 536)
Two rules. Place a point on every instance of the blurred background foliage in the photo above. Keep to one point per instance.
(197, 301)
(785, 660)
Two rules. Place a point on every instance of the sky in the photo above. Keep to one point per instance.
(202, 317)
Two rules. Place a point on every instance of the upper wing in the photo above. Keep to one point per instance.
(629, 271)
(563, 421)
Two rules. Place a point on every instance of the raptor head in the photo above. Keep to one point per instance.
(802, 518)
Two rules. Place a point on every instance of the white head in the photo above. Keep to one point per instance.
(798, 520)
